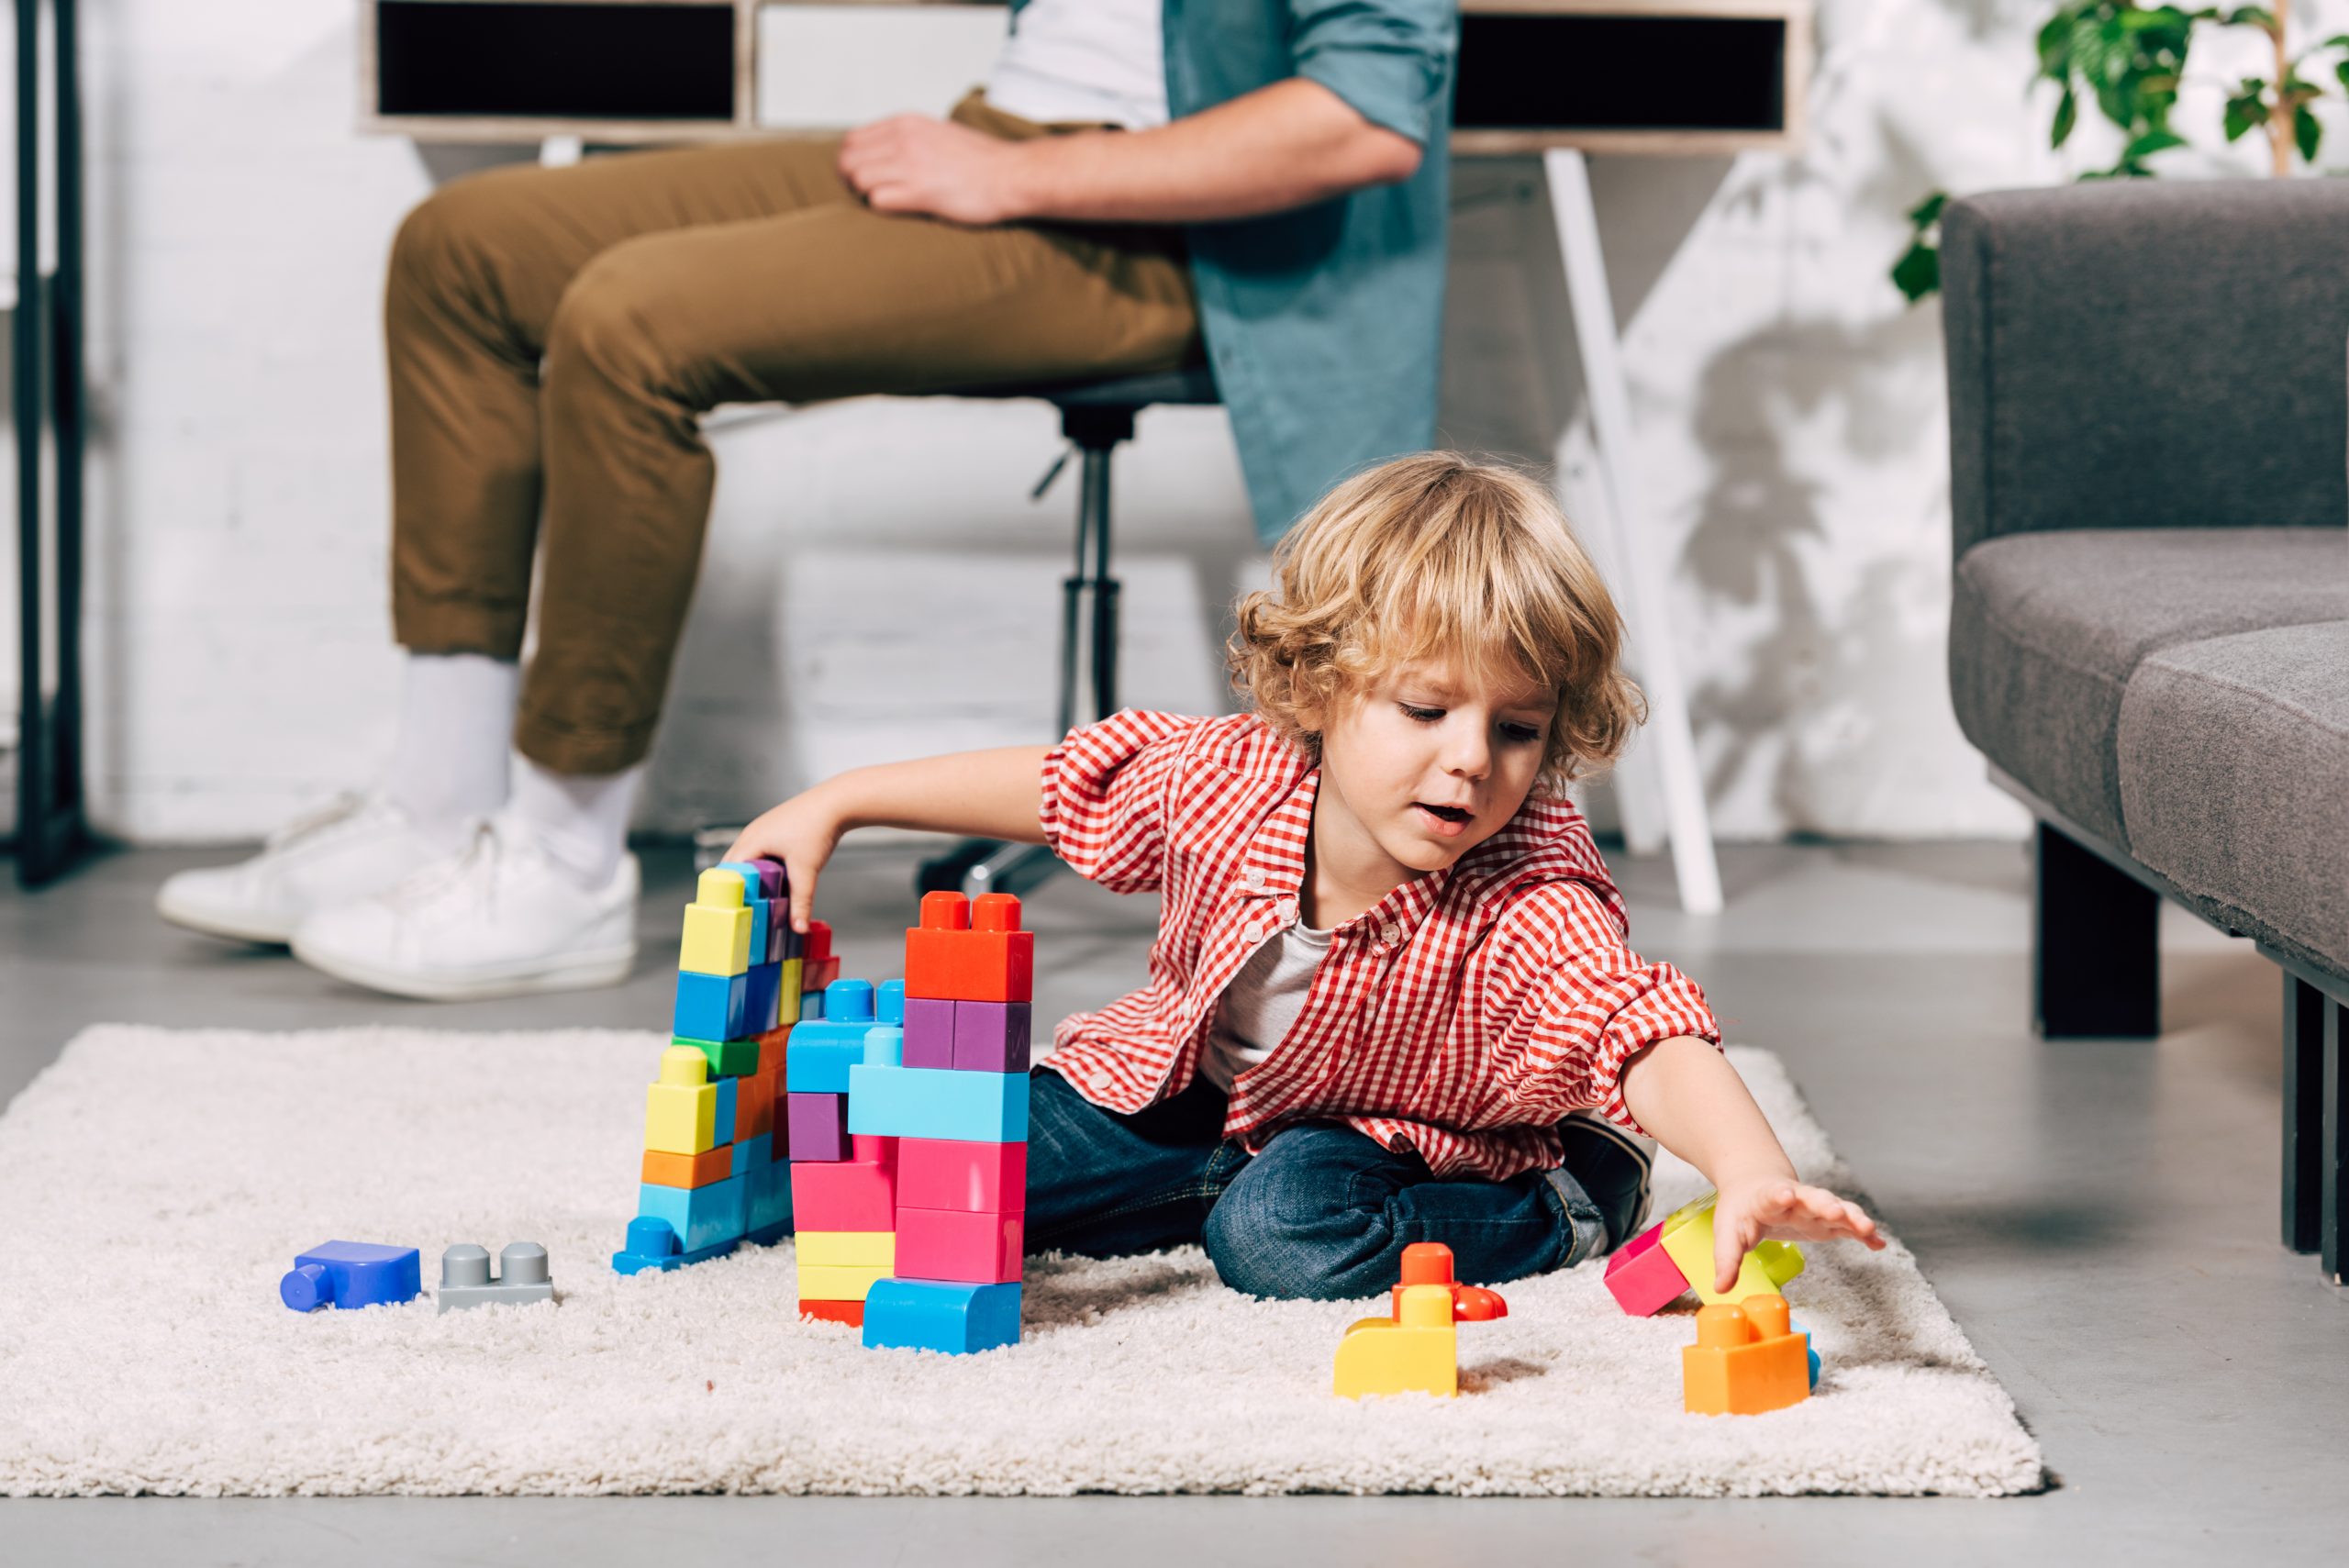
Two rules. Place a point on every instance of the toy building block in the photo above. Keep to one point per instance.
(818, 1125)
(653, 1244)
(522, 1276)
(349, 1274)
(754, 1152)
(928, 1315)
(889, 1004)
(1675, 1255)
(823, 1049)
(941, 1173)
(702, 1216)
(681, 1109)
(787, 1006)
(718, 926)
(662, 1169)
(849, 1312)
(819, 965)
(727, 1057)
(839, 1282)
(947, 1244)
(1810, 1351)
(1415, 1347)
(711, 1007)
(927, 1102)
(762, 997)
(755, 1104)
(847, 1194)
(991, 1036)
(1747, 1359)
(930, 1032)
(966, 952)
(848, 1249)
(729, 1100)
(767, 1202)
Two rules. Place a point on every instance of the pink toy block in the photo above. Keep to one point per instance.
(930, 1032)
(846, 1195)
(974, 1249)
(991, 1036)
(1642, 1275)
(818, 1125)
(972, 1178)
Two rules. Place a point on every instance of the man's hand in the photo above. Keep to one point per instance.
(1746, 1211)
(912, 163)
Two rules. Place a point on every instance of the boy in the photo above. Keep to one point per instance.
(1390, 965)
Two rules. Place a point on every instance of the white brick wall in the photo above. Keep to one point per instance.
(878, 583)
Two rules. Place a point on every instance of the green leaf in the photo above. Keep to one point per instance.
(2153, 141)
(2306, 133)
(1919, 271)
(2246, 109)
(2252, 16)
(2068, 114)
(1927, 213)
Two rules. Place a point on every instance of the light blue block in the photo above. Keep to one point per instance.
(884, 1046)
(821, 1053)
(728, 1096)
(702, 1216)
(1810, 1350)
(750, 1153)
(938, 1102)
(927, 1315)
(769, 1205)
(889, 1003)
(711, 1007)
(811, 1003)
(652, 1245)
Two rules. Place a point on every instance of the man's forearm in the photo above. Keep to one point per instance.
(1287, 145)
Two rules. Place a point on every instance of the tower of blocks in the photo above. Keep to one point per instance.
(908, 1121)
(716, 1139)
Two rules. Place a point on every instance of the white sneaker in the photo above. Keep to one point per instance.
(498, 919)
(353, 846)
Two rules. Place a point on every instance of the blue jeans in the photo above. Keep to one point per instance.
(1322, 1213)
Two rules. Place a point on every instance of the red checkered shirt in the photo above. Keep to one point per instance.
(1462, 1015)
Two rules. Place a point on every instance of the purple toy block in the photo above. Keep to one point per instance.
(818, 1126)
(1643, 1276)
(930, 1032)
(770, 877)
(989, 1037)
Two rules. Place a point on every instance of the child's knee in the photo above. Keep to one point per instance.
(1333, 1256)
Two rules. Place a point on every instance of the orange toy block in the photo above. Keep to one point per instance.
(1747, 1359)
(664, 1169)
(970, 952)
(754, 1098)
(849, 1312)
(773, 1047)
(1430, 1262)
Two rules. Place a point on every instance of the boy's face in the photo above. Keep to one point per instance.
(1425, 765)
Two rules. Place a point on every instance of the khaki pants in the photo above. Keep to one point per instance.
(555, 334)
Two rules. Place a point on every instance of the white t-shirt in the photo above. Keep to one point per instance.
(1262, 1003)
(1102, 61)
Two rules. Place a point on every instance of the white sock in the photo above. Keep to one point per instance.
(580, 821)
(456, 726)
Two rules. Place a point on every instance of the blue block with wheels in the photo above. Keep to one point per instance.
(712, 1006)
(652, 1244)
(347, 1274)
(702, 1216)
(937, 1102)
(927, 1315)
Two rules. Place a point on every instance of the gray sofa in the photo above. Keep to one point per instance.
(2149, 638)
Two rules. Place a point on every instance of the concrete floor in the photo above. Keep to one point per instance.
(2101, 1218)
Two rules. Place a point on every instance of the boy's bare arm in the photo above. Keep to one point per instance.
(995, 794)
(1688, 1097)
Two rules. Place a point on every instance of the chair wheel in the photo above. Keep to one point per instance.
(944, 873)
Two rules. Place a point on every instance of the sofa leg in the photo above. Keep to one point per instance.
(2096, 950)
(2304, 1103)
(2333, 1245)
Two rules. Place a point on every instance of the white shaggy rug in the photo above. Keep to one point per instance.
(157, 1183)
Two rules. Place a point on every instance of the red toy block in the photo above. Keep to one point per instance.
(970, 1178)
(847, 1194)
(662, 1169)
(1642, 1275)
(774, 1049)
(874, 1148)
(817, 946)
(849, 1312)
(968, 952)
(972, 1248)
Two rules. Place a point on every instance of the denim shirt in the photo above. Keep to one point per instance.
(1323, 323)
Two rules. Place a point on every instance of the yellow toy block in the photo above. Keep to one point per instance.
(849, 1248)
(1688, 1239)
(1747, 1359)
(717, 926)
(1416, 1351)
(820, 1282)
(681, 1110)
(787, 1009)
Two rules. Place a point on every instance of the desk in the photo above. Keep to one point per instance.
(1560, 78)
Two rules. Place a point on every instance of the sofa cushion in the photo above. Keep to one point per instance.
(2234, 781)
(2045, 629)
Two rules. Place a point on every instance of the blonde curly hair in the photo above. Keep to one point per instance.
(1437, 557)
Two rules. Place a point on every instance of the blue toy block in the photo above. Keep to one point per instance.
(889, 1004)
(811, 1004)
(928, 1314)
(652, 1244)
(1809, 1348)
(769, 1208)
(750, 1153)
(848, 1001)
(730, 1094)
(761, 992)
(938, 1102)
(350, 1274)
(702, 1216)
(712, 1006)
(822, 1050)
(762, 913)
(884, 1046)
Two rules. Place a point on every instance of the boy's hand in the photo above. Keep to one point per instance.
(801, 833)
(1747, 1211)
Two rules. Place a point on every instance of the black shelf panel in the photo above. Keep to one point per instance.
(1714, 73)
(555, 61)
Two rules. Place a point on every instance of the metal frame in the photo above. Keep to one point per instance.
(53, 830)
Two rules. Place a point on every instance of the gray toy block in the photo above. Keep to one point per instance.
(521, 1276)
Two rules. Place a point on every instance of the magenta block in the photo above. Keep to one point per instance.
(846, 1195)
(945, 1174)
(930, 1033)
(819, 1126)
(1642, 1275)
(991, 1036)
(943, 1244)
